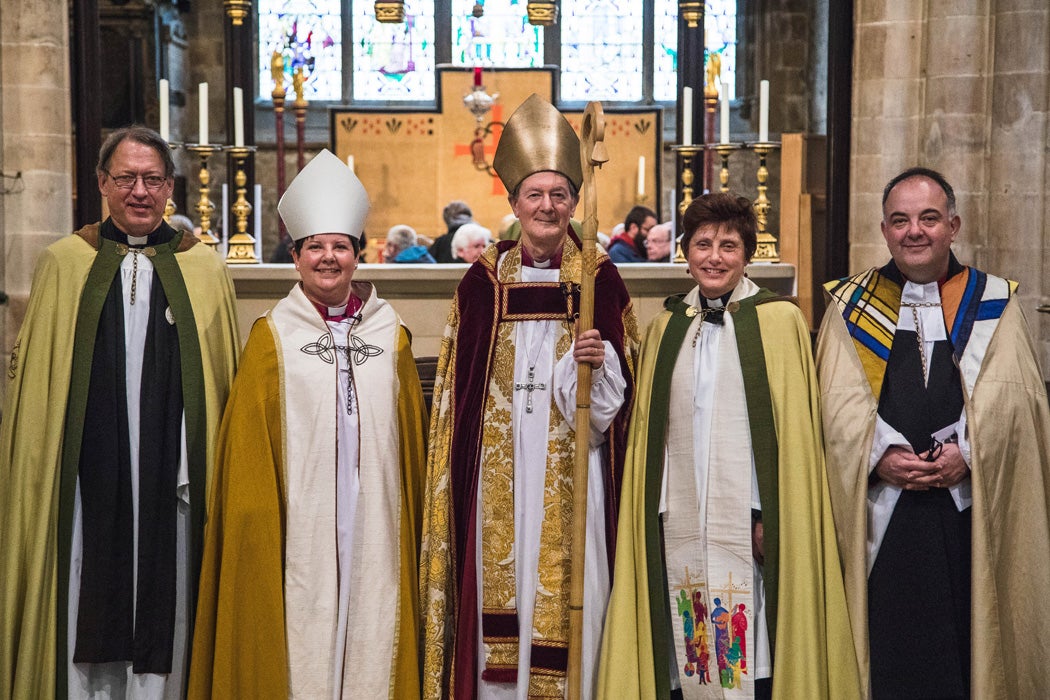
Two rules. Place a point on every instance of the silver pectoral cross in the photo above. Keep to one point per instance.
(530, 385)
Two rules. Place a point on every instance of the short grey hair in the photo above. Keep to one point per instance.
(401, 237)
(467, 234)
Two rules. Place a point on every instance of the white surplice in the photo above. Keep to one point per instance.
(116, 679)
(535, 343)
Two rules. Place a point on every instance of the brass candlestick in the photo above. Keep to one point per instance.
(724, 150)
(686, 156)
(767, 250)
(205, 207)
(169, 206)
(241, 245)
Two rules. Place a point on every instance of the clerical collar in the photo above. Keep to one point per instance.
(553, 263)
(160, 235)
(891, 271)
(335, 314)
(717, 302)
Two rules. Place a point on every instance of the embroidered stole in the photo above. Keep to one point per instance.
(312, 403)
(971, 301)
(524, 301)
(708, 543)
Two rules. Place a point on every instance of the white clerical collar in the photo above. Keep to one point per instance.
(922, 303)
(138, 240)
(336, 310)
(715, 303)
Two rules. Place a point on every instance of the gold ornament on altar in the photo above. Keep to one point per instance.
(240, 244)
(692, 12)
(298, 80)
(238, 10)
(277, 72)
(542, 13)
(768, 249)
(390, 11)
(713, 75)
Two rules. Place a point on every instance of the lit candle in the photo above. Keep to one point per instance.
(763, 111)
(725, 112)
(202, 99)
(687, 116)
(350, 163)
(164, 109)
(477, 76)
(641, 176)
(238, 117)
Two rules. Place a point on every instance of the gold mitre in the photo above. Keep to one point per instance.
(325, 197)
(537, 138)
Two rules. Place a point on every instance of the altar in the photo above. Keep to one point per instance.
(421, 294)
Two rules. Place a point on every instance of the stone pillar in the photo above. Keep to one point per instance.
(963, 89)
(35, 132)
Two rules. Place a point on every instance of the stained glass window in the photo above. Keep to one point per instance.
(601, 51)
(720, 37)
(394, 61)
(307, 33)
(665, 50)
(501, 37)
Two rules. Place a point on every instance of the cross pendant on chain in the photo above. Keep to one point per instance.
(530, 385)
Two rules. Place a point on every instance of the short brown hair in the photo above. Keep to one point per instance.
(140, 134)
(722, 208)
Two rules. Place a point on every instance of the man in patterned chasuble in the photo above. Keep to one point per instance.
(116, 387)
(498, 496)
(938, 448)
(308, 588)
(727, 580)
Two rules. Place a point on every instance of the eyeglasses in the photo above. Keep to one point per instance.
(127, 182)
(936, 447)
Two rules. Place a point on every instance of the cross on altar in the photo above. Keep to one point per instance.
(530, 385)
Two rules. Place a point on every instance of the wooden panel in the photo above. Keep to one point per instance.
(414, 162)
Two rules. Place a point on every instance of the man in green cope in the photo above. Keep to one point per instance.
(115, 389)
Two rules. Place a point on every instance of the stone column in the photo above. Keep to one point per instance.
(35, 132)
(963, 88)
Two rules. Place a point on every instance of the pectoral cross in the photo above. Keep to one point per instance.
(530, 385)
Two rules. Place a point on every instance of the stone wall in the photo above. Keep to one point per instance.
(961, 87)
(35, 140)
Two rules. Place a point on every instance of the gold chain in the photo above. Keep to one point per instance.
(134, 274)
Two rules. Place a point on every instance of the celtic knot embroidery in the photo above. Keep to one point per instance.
(323, 347)
(361, 351)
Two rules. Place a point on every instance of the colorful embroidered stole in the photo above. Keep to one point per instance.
(971, 301)
(708, 574)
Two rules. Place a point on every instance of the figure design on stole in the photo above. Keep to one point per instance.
(730, 647)
(694, 615)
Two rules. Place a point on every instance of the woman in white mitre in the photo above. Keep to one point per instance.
(308, 581)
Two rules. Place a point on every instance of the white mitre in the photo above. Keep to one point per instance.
(325, 197)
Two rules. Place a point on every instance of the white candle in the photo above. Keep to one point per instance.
(202, 99)
(763, 111)
(724, 123)
(687, 116)
(238, 117)
(350, 163)
(164, 109)
(641, 176)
